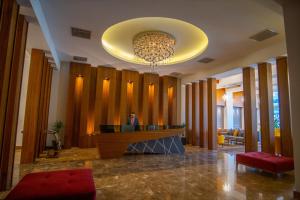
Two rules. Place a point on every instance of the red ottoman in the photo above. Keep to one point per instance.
(265, 161)
(67, 184)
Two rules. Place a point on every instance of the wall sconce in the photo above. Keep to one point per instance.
(106, 78)
(79, 75)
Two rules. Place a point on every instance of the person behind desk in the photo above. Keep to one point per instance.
(133, 121)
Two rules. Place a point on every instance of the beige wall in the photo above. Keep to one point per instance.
(58, 97)
(23, 98)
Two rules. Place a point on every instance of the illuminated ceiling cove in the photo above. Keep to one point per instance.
(191, 41)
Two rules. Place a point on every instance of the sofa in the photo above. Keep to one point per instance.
(233, 136)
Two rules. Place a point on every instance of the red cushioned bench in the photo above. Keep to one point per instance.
(265, 161)
(67, 184)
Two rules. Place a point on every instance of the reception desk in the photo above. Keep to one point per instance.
(114, 145)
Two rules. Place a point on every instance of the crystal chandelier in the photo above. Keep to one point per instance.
(154, 46)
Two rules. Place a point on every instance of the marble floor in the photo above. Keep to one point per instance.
(198, 174)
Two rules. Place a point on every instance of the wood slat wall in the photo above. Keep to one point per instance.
(125, 108)
(195, 114)
(284, 107)
(203, 113)
(37, 107)
(211, 113)
(250, 119)
(97, 105)
(266, 107)
(168, 113)
(150, 106)
(80, 118)
(188, 113)
(13, 33)
(105, 106)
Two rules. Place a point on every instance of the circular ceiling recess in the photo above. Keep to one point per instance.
(191, 41)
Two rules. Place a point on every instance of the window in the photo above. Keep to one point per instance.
(220, 117)
(237, 117)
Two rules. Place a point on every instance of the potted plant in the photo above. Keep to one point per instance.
(57, 126)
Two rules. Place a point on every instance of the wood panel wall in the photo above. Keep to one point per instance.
(13, 31)
(284, 106)
(188, 113)
(250, 118)
(195, 114)
(105, 102)
(125, 107)
(44, 107)
(212, 113)
(266, 107)
(96, 105)
(203, 113)
(80, 108)
(168, 111)
(30, 129)
(9, 12)
(150, 101)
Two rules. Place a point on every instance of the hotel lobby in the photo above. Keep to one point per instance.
(149, 99)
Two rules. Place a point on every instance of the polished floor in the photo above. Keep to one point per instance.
(198, 174)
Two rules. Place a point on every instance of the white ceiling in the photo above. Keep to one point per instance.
(228, 25)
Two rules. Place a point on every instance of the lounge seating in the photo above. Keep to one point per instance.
(266, 162)
(233, 136)
(67, 184)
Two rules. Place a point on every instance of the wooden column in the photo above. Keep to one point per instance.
(129, 96)
(195, 114)
(8, 11)
(44, 107)
(188, 113)
(150, 98)
(168, 101)
(250, 117)
(105, 102)
(203, 113)
(212, 113)
(284, 107)
(266, 107)
(30, 129)
(80, 111)
(8, 134)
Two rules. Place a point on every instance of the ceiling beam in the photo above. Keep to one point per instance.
(38, 10)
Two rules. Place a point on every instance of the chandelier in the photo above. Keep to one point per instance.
(154, 46)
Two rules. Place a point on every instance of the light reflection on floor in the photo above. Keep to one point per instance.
(199, 174)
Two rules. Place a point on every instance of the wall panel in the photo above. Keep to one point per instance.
(266, 107)
(9, 133)
(203, 113)
(211, 114)
(129, 94)
(284, 107)
(250, 119)
(150, 98)
(105, 103)
(195, 114)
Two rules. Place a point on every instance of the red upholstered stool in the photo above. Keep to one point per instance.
(265, 161)
(67, 184)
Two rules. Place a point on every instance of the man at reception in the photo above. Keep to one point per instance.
(133, 121)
